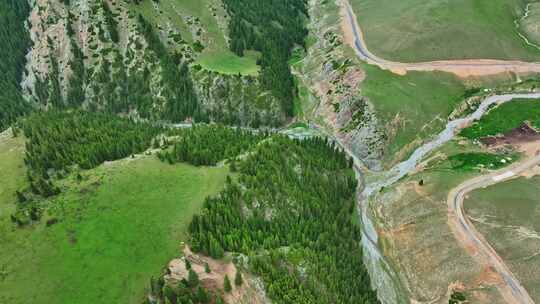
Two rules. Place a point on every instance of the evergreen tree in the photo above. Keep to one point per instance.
(209, 144)
(202, 296)
(294, 194)
(227, 284)
(238, 278)
(219, 300)
(272, 28)
(193, 278)
(15, 41)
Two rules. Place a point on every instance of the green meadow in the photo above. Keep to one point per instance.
(506, 117)
(216, 55)
(507, 215)
(117, 226)
(425, 30)
(414, 106)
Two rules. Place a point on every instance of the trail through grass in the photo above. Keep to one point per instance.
(507, 215)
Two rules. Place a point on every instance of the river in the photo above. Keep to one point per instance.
(380, 270)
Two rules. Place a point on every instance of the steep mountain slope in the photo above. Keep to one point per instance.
(15, 40)
(104, 55)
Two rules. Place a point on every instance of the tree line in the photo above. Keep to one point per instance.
(15, 40)
(57, 139)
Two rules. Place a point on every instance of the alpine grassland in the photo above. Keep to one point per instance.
(528, 23)
(506, 117)
(507, 215)
(100, 240)
(207, 20)
(413, 106)
(412, 216)
(424, 30)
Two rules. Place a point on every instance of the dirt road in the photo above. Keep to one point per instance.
(462, 68)
(510, 287)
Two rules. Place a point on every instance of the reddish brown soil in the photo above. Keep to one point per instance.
(523, 134)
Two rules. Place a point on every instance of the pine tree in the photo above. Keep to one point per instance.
(202, 296)
(169, 294)
(193, 278)
(219, 300)
(238, 278)
(227, 284)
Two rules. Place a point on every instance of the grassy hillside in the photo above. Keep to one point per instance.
(413, 227)
(117, 228)
(529, 25)
(506, 117)
(421, 30)
(507, 215)
(413, 106)
(12, 173)
(211, 17)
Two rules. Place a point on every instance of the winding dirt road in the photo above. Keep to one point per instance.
(462, 68)
(511, 289)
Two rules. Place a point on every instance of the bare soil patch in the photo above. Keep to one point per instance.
(523, 134)
(248, 293)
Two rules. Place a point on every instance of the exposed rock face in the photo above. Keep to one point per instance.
(94, 54)
(336, 81)
(238, 100)
(334, 75)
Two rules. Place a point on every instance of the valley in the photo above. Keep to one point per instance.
(284, 151)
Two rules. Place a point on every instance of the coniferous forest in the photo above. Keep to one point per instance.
(205, 145)
(292, 199)
(14, 41)
(60, 139)
(181, 99)
(273, 28)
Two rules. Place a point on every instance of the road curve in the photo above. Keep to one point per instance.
(474, 242)
(463, 68)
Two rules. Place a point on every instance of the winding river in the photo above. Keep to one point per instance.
(373, 256)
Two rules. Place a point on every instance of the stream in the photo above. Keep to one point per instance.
(384, 279)
(517, 24)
